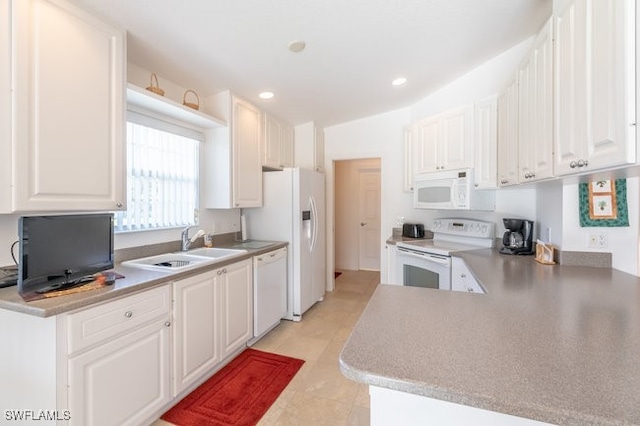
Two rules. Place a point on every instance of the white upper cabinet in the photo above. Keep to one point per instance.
(5, 107)
(445, 141)
(68, 79)
(277, 148)
(233, 156)
(486, 143)
(309, 147)
(595, 85)
(535, 113)
(408, 158)
(508, 134)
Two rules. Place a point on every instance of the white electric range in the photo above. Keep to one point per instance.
(427, 263)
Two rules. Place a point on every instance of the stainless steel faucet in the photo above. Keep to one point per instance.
(186, 242)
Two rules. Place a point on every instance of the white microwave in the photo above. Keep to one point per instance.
(451, 190)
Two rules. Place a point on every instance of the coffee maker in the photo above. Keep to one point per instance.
(518, 239)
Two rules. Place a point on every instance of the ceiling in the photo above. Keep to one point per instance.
(354, 48)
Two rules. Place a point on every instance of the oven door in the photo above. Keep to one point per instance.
(418, 269)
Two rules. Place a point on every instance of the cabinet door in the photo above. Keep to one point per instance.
(5, 107)
(611, 83)
(271, 144)
(427, 146)
(486, 143)
(195, 347)
(247, 164)
(408, 159)
(508, 135)
(69, 88)
(535, 129)
(277, 144)
(392, 253)
(236, 305)
(122, 382)
(594, 83)
(318, 150)
(286, 146)
(570, 79)
(457, 138)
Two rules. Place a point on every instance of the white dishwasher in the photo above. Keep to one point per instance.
(269, 291)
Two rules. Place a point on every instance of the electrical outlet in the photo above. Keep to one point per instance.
(598, 240)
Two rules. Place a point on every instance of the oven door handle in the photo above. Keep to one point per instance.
(444, 260)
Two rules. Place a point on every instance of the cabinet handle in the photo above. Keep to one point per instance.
(119, 205)
(128, 314)
(573, 164)
(167, 323)
(586, 163)
(219, 272)
(224, 271)
(470, 289)
(504, 182)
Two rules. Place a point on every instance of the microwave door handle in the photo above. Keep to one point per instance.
(426, 256)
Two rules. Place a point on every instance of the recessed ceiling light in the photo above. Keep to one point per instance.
(266, 95)
(297, 46)
(399, 81)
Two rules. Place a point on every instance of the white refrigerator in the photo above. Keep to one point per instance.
(294, 211)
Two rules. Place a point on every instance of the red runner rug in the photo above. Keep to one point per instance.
(239, 394)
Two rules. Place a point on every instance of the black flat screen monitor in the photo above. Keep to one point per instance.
(60, 251)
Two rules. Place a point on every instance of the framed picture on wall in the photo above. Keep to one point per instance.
(604, 203)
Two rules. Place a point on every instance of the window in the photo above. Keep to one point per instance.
(162, 175)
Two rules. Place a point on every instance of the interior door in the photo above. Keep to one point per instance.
(369, 214)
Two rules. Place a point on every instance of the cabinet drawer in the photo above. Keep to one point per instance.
(102, 322)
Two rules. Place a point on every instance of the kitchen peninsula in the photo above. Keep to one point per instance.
(556, 344)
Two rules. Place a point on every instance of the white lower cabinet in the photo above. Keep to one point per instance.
(122, 382)
(213, 319)
(235, 284)
(195, 348)
(113, 363)
(462, 279)
(119, 360)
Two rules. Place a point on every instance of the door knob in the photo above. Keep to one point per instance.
(363, 223)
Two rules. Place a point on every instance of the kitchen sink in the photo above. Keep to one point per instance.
(169, 262)
(181, 261)
(217, 253)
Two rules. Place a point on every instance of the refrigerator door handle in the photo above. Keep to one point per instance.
(314, 225)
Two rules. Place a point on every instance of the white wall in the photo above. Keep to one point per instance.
(481, 82)
(622, 241)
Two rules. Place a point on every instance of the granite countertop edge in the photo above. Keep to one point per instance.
(136, 279)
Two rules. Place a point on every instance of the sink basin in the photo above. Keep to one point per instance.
(216, 253)
(168, 262)
(181, 261)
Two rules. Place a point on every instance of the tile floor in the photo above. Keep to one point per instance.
(319, 394)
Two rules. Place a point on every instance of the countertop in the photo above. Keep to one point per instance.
(559, 344)
(135, 279)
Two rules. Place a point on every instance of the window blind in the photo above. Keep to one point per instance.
(162, 175)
